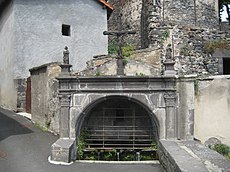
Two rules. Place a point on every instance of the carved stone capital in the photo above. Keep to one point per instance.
(170, 99)
(65, 100)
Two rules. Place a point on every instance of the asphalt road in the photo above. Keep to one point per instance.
(25, 148)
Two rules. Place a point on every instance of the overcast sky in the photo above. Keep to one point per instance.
(224, 15)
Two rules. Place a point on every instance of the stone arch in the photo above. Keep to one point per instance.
(93, 103)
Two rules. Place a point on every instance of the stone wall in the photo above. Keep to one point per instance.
(144, 16)
(189, 156)
(7, 84)
(44, 92)
(107, 66)
(134, 17)
(212, 109)
(21, 85)
(194, 48)
(190, 13)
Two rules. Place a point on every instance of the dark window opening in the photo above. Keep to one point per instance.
(65, 30)
(119, 115)
(226, 66)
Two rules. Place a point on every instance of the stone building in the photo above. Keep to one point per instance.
(35, 32)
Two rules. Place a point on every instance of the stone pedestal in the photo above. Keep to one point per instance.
(65, 69)
(64, 150)
(169, 68)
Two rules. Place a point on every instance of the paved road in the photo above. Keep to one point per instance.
(25, 148)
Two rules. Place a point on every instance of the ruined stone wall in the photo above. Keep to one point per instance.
(194, 48)
(190, 13)
(44, 92)
(144, 17)
(134, 17)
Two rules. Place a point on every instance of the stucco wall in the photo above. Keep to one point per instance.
(7, 89)
(38, 37)
(44, 93)
(212, 109)
(185, 118)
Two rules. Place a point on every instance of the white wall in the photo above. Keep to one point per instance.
(212, 110)
(7, 89)
(38, 32)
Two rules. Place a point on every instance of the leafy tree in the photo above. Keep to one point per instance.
(222, 4)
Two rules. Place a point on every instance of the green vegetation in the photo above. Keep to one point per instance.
(165, 35)
(112, 48)
(43, 128)
(126, 155)
(98, 73)
(149, 155)
(125, 61)
(140, 74)
(127, 49)
(81, 143)
(92, 155)
(211, 46)
(222, 149)
(109, 155)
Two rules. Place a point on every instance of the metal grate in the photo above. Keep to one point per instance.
(118, 128)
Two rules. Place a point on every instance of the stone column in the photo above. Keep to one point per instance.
(171, 124)
(64, 114)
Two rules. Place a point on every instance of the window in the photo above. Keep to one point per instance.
(226, 66)
(65, 30)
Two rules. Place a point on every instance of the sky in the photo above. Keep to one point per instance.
(224, 15)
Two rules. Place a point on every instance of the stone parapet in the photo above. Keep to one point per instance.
(190, 156)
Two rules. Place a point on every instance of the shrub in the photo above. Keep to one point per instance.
(211, 46)
(222, 149)
(127, 49)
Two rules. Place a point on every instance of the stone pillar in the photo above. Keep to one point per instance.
(171, 118)
(64, 114)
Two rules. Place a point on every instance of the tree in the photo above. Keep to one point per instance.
(222, 4)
